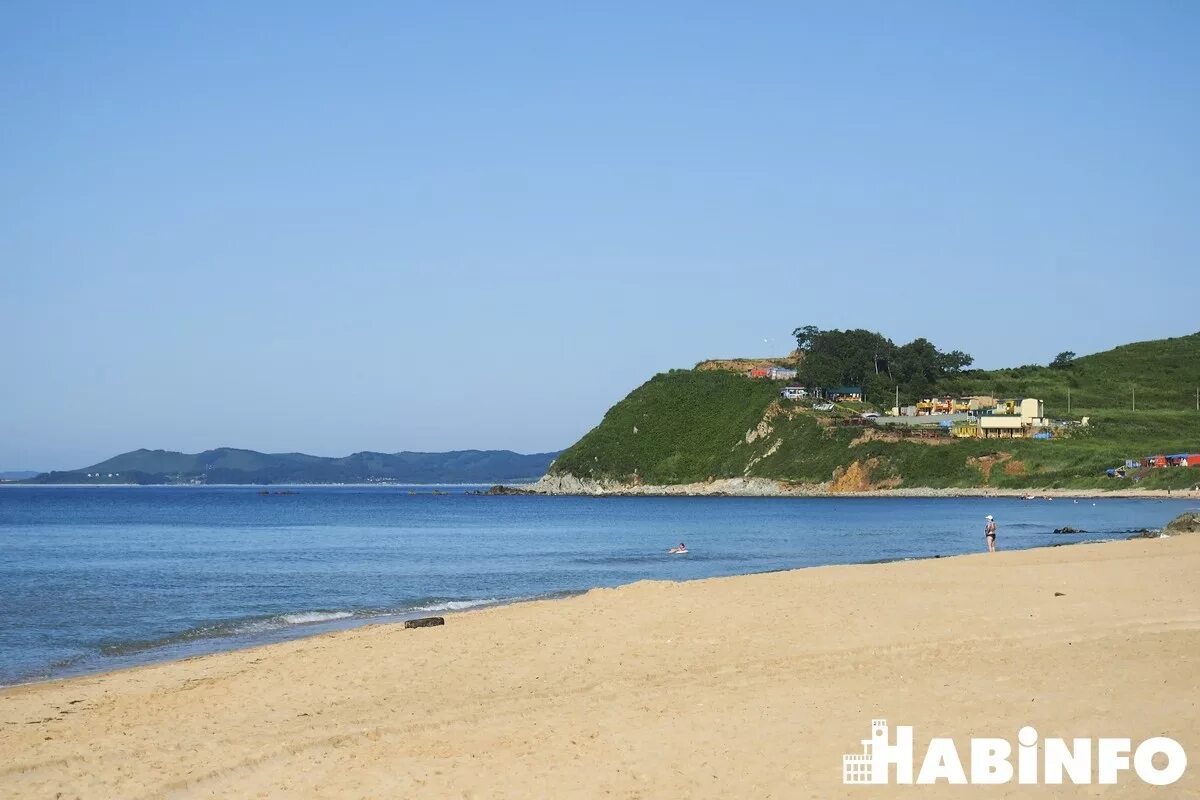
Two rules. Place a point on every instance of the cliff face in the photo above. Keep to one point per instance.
(721, 430)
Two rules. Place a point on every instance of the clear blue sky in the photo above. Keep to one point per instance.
(303, 226)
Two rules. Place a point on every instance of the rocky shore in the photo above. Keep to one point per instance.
(566, 484)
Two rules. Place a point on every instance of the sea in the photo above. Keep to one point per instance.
(97, 578)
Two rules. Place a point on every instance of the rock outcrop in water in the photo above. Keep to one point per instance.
(1187, 522)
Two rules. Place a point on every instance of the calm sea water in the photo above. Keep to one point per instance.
(97, 578)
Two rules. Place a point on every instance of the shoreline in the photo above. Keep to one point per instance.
(311, 619)
(749, 685)
(571, 486)
(184, 650)
(187, 649)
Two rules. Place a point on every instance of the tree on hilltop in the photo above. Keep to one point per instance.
(871, 360)
(1063, 360)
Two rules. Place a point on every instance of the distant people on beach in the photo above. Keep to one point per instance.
(680, 550)
(989, 533)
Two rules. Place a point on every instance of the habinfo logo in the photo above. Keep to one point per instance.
(1159, 761)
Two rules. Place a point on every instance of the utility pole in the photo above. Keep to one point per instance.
(898, 399)
(1068, 401)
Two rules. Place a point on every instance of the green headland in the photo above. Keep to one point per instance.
(716, 422)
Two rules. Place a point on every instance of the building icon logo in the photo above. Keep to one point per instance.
(871, 765)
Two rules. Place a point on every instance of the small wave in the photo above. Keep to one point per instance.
(641, 558)
(220, 630)
(314, 616)
(65, 663)
(456, 605)
(270, 625)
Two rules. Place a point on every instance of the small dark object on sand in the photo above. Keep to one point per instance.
(424, 622)
(1060, 594)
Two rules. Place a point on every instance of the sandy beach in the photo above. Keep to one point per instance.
(733, 687)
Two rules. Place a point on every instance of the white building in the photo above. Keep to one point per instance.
(860, 768)
(996, 426)
(1032, 411)
(781, 373)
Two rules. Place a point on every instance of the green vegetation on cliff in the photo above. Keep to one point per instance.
(678, 427)
(693, 425)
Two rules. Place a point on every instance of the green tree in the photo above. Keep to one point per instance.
(865, 358)
(805, 335)
(844, 357)
(1063, 360)
(955, 362)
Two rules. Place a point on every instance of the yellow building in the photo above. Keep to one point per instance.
(966, 429)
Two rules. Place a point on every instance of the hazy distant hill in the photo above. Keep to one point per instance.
(231, 465)
(17, 475)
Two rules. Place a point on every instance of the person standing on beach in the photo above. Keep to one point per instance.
(989, 533)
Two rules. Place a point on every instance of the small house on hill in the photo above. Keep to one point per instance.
(852, 393)
(773, 372)
(1001, 426)
(798, 393)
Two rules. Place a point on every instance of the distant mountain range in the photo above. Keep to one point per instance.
(17, 475)
(231, 465)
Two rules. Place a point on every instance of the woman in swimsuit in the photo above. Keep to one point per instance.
(989, 533)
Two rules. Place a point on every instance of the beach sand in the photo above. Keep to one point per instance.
(741, 687)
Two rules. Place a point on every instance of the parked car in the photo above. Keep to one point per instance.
(870, 414)
(823, 407)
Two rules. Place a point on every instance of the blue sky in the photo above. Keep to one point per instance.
(435, 226)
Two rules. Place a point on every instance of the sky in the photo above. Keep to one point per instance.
(430, 226)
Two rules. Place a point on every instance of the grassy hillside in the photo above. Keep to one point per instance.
(693, 425)
(678, 427)
(1165, 374)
